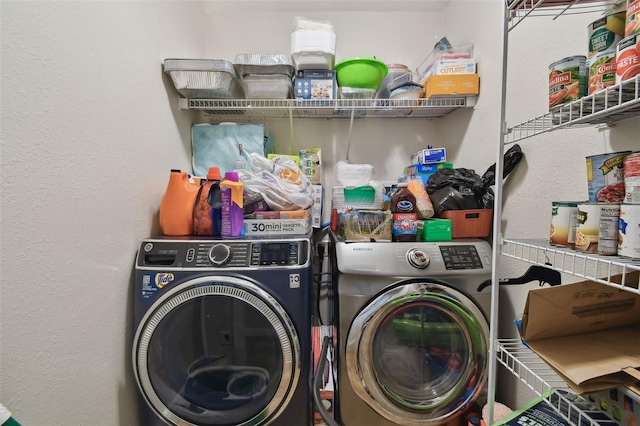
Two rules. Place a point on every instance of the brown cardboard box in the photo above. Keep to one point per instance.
(589, 333)
(452, 85)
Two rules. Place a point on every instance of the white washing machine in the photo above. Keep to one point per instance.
(413, 331)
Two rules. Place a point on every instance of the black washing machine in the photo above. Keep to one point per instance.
(223, 331)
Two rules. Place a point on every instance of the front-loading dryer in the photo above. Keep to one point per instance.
(223, 331)
(413, 331)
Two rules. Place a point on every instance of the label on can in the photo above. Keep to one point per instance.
(563, 223)
(602, 70)
(631, 166)
(597, 228)
(632, 21)
(605, 177)
(629, 231)
(567, 80)
(606, 32)
(628, 58)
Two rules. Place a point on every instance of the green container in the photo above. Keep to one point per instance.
(362, 73)
(434, 230)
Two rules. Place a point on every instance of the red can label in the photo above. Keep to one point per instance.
(627, 58)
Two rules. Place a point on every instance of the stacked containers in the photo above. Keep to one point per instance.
(313, 46)
(265, 76)
(628, 50)
(604, 35)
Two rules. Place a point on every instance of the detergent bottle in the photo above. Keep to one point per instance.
(207, 210)
(231, 192)
(176, 206)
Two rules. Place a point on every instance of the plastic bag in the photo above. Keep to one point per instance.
(279, 182)
(463, 189)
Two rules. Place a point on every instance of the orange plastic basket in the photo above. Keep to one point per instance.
(475, 223)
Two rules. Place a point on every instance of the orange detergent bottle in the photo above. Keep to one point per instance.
(176, 206)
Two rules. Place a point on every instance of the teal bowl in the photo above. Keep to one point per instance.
(362, 73)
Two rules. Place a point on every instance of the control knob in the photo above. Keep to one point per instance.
(220, 254)
(418, 258)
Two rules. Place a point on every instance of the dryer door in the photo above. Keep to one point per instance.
(217, 351)
(417, 353)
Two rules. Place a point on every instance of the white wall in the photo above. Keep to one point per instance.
(89, 135)
(90, 129)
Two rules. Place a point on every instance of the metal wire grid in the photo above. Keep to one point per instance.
(615, 103)
(331, 108)
(520, 9)
(602, 269)
(523, 363)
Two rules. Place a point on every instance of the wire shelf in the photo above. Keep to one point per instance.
(328, 109)
(525, 364)
(602, 269)
(520, 9)
(613, 104)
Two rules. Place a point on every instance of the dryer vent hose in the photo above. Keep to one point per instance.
(316, 385)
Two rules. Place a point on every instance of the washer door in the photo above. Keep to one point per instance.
(417, 353)
(217, 351)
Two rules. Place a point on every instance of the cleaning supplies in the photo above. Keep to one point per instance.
(176, 206)
(207, 210)
(231, 191)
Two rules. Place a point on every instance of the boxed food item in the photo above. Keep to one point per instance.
(434, 230)
(315, 84)
(452, 85)
(364, 225)
(316, 209)
(299, 225)
(311, 164)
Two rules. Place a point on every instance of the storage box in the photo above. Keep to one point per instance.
(316, 209)
(429, 156)
(474, 223)
(453, 66)
(315, 84)
(452, 85)
(434, 230)
(311, 164)
(587, 332)
(268, 227)
(363, 225)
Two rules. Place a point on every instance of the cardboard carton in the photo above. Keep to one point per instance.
(452, 85)
(589, 333)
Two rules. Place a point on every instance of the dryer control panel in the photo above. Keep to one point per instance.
(226, 254)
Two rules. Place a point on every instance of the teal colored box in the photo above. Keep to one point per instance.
(434, 230)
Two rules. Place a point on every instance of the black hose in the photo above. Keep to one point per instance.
(316, 385)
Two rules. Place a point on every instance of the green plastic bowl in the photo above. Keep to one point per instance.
(363, 73)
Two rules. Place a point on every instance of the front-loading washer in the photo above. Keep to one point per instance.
(223, 331)
(413, 331)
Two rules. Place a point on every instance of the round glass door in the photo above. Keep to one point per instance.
(217, 351)
(417, 353)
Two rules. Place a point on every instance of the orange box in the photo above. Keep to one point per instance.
(295, 214)
(474, 223)
(451, 85)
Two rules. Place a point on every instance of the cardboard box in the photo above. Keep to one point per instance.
(429, 156)
(453, 66)
(315, 84)
(311, 164)
(269, 227)
(452, 85)
(588, 332)
(316, 209)
(434, 230)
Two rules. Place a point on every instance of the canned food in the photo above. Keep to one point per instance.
(627, 58)
(597, 228)
(563, 223)
(629, 232)
(632, 21)
(631, 167)
(605, 177)
(567, 80)
(606, 32)
(602, 70)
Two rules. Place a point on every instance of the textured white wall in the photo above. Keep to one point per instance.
(89, 134)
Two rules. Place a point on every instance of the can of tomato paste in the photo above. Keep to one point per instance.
(629, 231)
(632, 20)
(563, 223)
(605, 33)
(628, 58)
(597, 228)
(602, 70)
(631, 167)
(567, 80)
(605, 177)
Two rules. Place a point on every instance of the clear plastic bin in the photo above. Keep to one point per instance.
(442, 51)
(267, 86)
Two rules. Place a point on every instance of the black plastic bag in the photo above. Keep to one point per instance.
(464, 189)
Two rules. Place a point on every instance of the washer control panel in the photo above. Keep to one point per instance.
(224, 253)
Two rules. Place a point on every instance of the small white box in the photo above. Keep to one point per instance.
(316, 209)
(429, 156)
